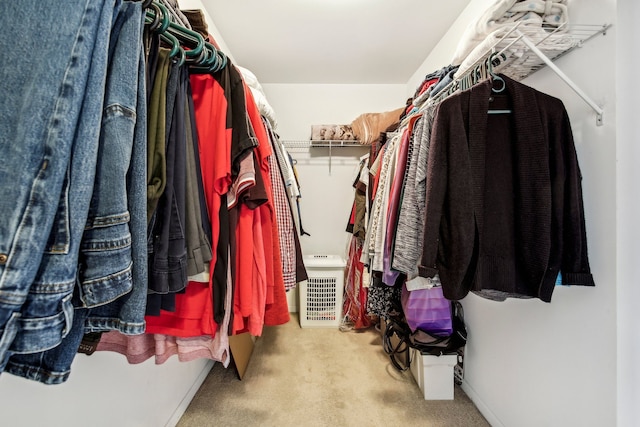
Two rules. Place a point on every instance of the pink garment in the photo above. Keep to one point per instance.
(138, 348)
(389, 275)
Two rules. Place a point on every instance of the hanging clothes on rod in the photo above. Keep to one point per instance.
(421, 242)
(138, 251)
(235, 164)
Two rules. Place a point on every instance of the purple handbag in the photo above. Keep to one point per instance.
(427, 310)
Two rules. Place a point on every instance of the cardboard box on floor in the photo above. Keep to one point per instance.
(241, 347)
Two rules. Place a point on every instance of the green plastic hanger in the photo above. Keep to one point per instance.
(188, 38)
(186, 45)
(159, 16)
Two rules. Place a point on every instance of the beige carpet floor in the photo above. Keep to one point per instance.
(321, 377)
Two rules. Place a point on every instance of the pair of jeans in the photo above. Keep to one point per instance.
(52, 95)
(110, 260)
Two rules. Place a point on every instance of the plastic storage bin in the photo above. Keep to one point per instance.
(434, 374)
(321, 294)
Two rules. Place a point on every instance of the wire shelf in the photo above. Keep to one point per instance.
(302, 145)
(518, 60)
(518, 52)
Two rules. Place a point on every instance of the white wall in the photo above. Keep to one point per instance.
(442, 54)
(104, 391)
(534, 364)
(213, 30)
(628, 208)
(326, 195)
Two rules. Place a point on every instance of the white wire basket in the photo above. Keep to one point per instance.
(321, 295)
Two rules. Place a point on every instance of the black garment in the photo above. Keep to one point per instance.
(220, 270)
(168, 257)
(383, 300)
(152, 47)
(199, 251)
(206, 223)
(301, 270)
(243, 140)
(242, 143)
(504, 211)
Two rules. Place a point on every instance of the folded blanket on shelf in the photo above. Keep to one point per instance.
(368, 126)
(545, 15)
(518, 61)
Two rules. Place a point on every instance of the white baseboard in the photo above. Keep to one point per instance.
(184, 404)
(482, 407)
(292, 300)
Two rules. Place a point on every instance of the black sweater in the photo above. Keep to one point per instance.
(504, 210)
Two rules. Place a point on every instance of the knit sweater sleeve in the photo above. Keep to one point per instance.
(575, 263)
(449, 231)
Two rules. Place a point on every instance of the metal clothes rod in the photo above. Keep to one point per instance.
(322, 142)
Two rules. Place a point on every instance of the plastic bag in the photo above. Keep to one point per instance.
(427, 310)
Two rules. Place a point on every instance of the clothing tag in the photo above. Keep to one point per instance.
(366, 278)
(419, 282)
(89, 343)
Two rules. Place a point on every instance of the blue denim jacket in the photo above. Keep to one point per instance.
(52, 97)
(113, 263)
(110, 259)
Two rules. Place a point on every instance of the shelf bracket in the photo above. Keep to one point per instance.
(598, 110)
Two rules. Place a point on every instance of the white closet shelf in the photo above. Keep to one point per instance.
(292, 144)
(522, 46)
(524, 50)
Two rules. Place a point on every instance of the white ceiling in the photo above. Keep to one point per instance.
(332, 41)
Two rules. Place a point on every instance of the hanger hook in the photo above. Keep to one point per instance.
(494, 77)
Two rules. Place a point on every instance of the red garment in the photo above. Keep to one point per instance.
(352, 216)
(426, 85)
(193, 316)
(259, 280)
(277, 309)
(355, 296)
(247, 271)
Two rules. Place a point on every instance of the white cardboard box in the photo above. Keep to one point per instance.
(434, 374)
